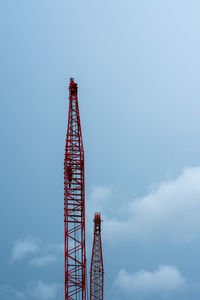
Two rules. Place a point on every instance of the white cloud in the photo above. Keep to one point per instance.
(171, 211)
(41, 253)
(9, 293)
(24, 247)
(35, 290)
(43, 260)
(164, 280)
(41, 291)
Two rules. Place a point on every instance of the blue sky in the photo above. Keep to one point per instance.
(137, 66)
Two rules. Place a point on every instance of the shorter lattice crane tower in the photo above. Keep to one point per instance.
(96, 270)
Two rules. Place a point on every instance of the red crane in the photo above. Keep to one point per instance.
(74, 206)
(96, 270)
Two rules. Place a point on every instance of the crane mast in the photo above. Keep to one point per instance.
(74, 204)
(96, 269)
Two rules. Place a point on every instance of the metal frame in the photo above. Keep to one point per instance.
(74, 206)
(97, 270)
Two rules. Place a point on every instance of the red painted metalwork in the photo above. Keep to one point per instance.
(96, 270)
(74, 208)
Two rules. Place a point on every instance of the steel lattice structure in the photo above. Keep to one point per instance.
(74, 206)
(96, 270)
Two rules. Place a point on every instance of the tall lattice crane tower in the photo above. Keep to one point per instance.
(96, 269)
(74, 205)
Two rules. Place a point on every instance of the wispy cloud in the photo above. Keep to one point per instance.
(35, 290)
(43, 260)
(22, 248)
(164, 280)
(9, 293)
(43, 291)
(39, 253)
(170, 211)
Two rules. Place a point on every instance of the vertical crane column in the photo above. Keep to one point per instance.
(74, 206)
(96, 270)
